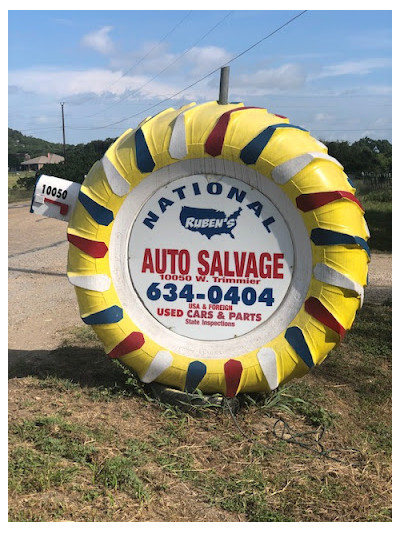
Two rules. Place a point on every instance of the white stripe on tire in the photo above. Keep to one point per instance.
(329, 275)
(267, 359)
(287, 170)
(97, 282)
(161, 362)
(177, 145)
(118, 184)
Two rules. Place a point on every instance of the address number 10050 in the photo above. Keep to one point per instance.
(54, 191)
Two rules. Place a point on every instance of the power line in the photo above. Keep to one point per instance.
(89, 98)
(139, 61)
(359, 129)
(170, 97)
(267, 36)
(129, 95)
(152, 49)
(201, 79)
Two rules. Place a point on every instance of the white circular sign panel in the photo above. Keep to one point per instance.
(210, 257)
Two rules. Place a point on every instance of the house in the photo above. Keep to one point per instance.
(37, 162)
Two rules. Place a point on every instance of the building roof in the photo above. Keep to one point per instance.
(44, 159)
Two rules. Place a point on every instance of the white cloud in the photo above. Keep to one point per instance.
(71, 83)
(359, 68)
(202, 60)
(265, 81)
(153, 59)
(99, 40)
(150, 59)
(160, 74)
(64, 83)
(323, 117)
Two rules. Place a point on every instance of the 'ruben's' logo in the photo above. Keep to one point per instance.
(208, 222)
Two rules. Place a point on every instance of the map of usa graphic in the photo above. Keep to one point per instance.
(209, 222)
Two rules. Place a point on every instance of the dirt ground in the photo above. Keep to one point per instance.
(42, 303)
(43, 312)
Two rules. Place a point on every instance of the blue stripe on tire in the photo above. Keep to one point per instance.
(111, 315)
(321, 237)
(296, 339)
(196, 372)
(99, 213)
(144, 161)
(252, 151)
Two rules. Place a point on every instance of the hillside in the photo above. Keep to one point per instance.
(366, 158)
(19, 145)
(363, 156)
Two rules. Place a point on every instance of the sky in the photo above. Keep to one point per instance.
(327, 71)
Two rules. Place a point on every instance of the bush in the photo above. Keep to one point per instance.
(26, 183)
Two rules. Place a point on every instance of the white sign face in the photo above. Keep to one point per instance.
(210, 257)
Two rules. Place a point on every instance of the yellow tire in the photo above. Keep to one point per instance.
(275, 175)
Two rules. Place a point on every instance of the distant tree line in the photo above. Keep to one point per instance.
(360, 158)
(79, 159)
(364, 157)
(20, 145)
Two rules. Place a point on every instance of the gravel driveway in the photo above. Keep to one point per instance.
(42, 303)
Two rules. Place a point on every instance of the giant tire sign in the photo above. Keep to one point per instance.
(218, 247)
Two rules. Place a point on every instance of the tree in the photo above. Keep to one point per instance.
(79, 160)
(364, 155)
(14, 161)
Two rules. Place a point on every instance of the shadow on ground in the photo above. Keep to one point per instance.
(88, 367)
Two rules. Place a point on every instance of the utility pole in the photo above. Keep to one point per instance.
(223, 86)
(63, 127)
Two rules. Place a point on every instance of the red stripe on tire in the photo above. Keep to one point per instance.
(96, 249)
(215, 141)
(317, 310)
(233, 372)
(132, 342)
(308, 202)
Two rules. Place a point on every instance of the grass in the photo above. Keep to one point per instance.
(118, 473)
(319, 449)
(31, 471)
(88, 443)
(15, 192)
(378, 214)
(245, 494)
(56, 438)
